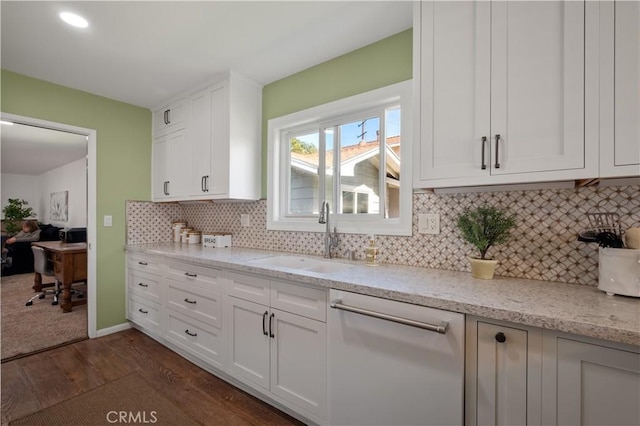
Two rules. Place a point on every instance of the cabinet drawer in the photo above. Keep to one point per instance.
(202, 340)
(145, 313)
(249, 287)
(300, 300)
(197, 276)
(202, 305)
(150, 265)
(145, 285)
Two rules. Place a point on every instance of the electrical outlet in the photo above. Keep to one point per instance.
(429, 223)
(245, 220)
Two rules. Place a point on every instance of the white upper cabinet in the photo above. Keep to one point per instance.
(219, 156)
(225, 129)
(171, 154)
(620, 89)
(505, 95)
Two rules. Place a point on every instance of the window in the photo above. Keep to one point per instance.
(353, 153)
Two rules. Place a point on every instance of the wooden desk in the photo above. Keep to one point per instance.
(69, 266)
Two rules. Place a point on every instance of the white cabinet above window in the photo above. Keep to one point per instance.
(218, 154)
(508, 92)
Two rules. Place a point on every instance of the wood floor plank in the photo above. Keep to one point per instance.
(17, 393)
(38, 381)
(104, 359)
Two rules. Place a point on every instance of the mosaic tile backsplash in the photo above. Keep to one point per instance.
(543, 245)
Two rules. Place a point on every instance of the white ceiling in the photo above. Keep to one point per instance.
(143, 52)
(29, 150)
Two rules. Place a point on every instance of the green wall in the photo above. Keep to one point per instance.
(123, 167)
(380, 64)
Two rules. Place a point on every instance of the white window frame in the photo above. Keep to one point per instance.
(277, 171)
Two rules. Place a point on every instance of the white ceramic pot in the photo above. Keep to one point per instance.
(483, 268)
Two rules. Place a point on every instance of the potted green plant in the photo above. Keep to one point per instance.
(485, 227)
(14, 213)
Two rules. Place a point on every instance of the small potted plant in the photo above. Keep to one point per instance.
(14, 213)
(485, 227)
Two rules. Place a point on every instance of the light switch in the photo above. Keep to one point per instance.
(108, 220)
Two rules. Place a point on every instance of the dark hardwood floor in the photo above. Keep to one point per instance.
(38, 381)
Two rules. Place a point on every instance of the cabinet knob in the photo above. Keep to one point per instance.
(500, 337)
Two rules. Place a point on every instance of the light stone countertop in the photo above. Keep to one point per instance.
(577, 309)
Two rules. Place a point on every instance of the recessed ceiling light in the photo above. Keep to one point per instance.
(74, 20)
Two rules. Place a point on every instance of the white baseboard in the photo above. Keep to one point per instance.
(114, 329)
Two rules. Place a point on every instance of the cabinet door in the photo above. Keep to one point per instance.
(537, 86)
(455, 94)
(199, 132)
(219, 146)
(502, 375)
(161, 168)
(596, 385)
(620, 89)
(171, 171)
(299, 361)
(249, 341)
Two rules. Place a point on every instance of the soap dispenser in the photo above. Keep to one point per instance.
(371, 252)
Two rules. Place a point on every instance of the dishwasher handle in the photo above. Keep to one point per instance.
(440, 328)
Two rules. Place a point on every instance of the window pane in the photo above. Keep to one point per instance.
(392, 146)
(328, 166)
(303, 176)
(360, 166)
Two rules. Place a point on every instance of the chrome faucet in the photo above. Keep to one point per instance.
(330, 240)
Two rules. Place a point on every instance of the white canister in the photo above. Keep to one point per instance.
(184, 235)
(193, 237)
(176, 228)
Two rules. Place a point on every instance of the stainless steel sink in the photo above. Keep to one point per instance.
(301, 264)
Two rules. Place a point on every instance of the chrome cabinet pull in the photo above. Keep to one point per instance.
(143, 285)
(264, 323)
(190, 334)
(143, 311)
(271, 325)
(193, 302)
(497, 165)
(484, 144)
(440, 328)
(190, 275)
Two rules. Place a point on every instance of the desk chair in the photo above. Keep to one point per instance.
(45, 268)
(43, 265)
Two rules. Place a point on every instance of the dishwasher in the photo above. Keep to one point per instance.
(393, 363)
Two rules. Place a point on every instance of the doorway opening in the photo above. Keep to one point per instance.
(53, 167)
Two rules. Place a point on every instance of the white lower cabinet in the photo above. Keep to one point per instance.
(194, 311)
(145, 293)
(590, 382)
(519, 375)
(503, 373)
(279, 350)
